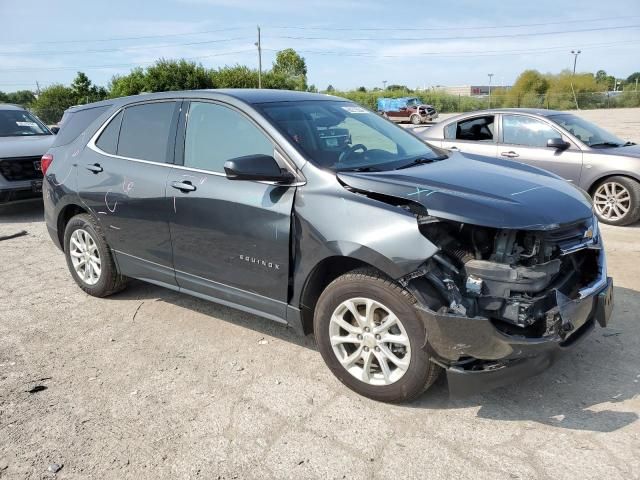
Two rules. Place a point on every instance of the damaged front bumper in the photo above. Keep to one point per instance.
(478, 355)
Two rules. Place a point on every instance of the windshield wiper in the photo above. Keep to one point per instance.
(360, 169)
(420, 161)
(628, 144)
(606, 144)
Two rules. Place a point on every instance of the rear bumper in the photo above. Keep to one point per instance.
(479, 357)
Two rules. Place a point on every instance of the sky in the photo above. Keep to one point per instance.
(346, 43)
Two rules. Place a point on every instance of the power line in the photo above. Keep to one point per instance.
(421, 29)
(99, 67)
(468, 53)
(143, 37)
(124, 49)
(475, 37)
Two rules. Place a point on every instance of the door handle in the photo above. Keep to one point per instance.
(95, 168)
(510, 154)
(185, 186)
(454, 148)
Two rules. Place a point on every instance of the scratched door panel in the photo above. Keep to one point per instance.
(232, 234)
(128, 198)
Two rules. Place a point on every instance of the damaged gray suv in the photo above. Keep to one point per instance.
(402, 259)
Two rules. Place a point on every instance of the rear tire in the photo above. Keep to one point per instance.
(89, 257)
(341, 337)
(616, 201)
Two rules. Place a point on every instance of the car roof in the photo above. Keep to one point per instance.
(10, 106)
(247, 95)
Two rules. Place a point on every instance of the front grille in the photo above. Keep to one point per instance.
(20, 168)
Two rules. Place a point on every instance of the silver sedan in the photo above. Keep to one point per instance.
(565, 144)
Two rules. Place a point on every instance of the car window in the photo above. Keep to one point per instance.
(108, 140)
(216, 134)
(20, 123)
(73, 123)
(477, 129)
(144, 133)
(526, 131)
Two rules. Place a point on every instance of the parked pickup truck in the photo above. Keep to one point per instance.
(406, 109)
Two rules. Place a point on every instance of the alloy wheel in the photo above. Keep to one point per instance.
(85, 256)
(612, 201)
(370, 341)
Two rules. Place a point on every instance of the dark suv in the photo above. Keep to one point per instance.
(316, 213)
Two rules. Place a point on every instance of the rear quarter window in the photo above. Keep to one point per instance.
(75, 122)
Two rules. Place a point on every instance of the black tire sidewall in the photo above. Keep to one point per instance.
(107, 272)
(415, 378)
(633, 188)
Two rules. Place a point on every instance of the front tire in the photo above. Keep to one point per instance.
(369, 335)
(415, 119)
(89, 257)
(616, 201)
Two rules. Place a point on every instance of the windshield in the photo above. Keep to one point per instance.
(343, 136)
(19, 123)
(587, 132)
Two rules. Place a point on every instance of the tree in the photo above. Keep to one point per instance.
(290, 64)
(53, 101)
(166, 75)
(362, 89)
(633, 78)
(85, 91)
(131, 84)
(22, 97)
(330, 89)
(4, 98)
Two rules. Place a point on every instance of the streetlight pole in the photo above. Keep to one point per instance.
(384, 84)
(575, 54)
(490, 77)
(259, 45)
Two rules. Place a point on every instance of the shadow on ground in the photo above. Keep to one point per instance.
(582, 391)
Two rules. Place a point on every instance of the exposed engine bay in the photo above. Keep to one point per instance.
(519, 280)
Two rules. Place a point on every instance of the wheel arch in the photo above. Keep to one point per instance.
(325, 272)
(67, 213)
(602, 178)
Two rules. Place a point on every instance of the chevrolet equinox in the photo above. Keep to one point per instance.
(402, 259)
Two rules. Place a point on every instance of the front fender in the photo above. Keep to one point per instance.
(336, 222)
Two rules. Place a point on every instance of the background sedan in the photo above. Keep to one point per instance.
(595, 160)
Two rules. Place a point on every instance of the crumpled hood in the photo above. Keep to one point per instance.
(481, 191)
(25, 146)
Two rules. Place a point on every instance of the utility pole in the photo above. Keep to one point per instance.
(490, 77)
(384, 84)
(259, 45)
(575, 54)
(38, 89)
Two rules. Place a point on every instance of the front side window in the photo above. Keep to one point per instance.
(144, 133)
(477, 129)
(20, 123)
(216, 134)
(526, 131)
(342, 136)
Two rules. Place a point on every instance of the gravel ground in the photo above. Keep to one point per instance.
(154, 384)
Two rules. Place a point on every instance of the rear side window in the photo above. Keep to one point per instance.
(477, 129)
(216, 134)
(108, 140)
(144, 133)
(75, 122)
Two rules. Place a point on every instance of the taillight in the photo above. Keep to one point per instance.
(45, 161)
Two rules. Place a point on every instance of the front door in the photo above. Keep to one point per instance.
(122, 179)
(230, 237)
(524, 139)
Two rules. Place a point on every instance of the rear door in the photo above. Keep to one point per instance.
(477, 135)
(122, 179)
(231, 239)
(524, 139)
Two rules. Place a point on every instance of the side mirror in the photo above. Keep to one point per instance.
(257, 167)
(54, 130)
(558, 143)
